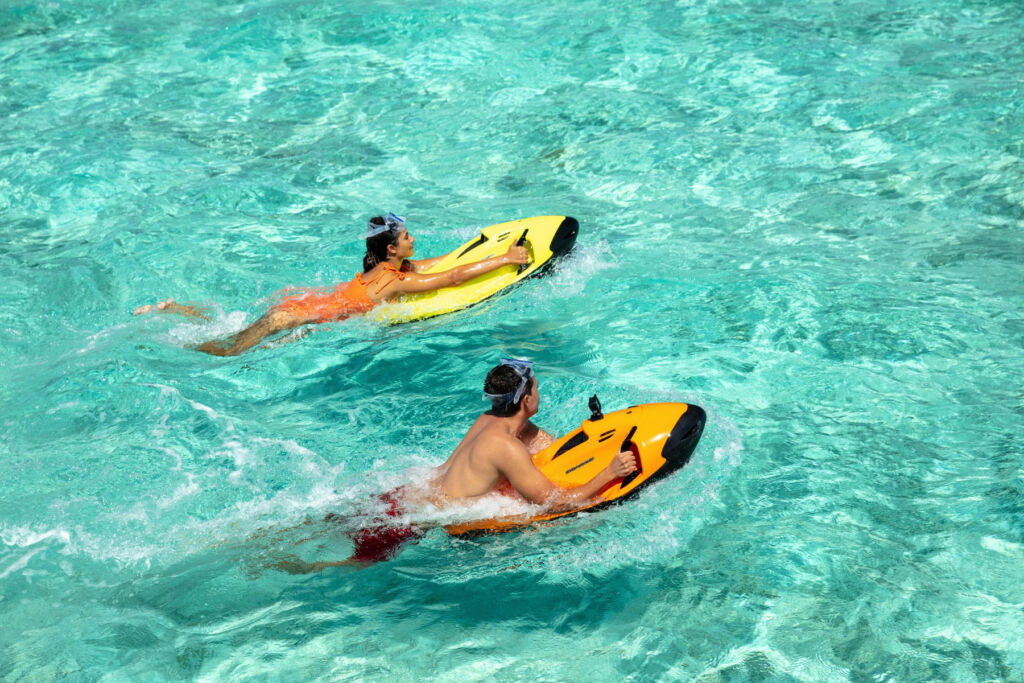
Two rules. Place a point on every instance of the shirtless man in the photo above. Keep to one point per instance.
(495, 453)
(493, 456)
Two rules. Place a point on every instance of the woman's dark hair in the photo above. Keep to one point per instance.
(377, 246)
(503, 381)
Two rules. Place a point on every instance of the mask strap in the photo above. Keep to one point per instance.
(391, 222)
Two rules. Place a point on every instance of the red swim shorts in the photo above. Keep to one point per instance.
(383, 542)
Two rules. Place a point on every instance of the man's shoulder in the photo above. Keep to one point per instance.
(496, 443)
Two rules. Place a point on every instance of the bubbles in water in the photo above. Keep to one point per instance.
(571, 275)
(193, 332)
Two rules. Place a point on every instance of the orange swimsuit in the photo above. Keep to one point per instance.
(347, 299)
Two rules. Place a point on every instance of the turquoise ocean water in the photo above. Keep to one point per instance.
(805, 217)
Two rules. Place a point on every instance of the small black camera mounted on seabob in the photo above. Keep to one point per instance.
(595, 409)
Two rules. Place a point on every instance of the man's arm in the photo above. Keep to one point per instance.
(535, 438)
(517, 466)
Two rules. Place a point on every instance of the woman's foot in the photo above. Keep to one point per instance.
(172, 306)
(159, 306)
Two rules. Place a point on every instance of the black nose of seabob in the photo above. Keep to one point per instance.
(565, 236)
(683, 438)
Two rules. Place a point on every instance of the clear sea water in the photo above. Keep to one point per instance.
(805, 217)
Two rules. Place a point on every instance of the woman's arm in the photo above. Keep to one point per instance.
(415, 282)
(421, 265)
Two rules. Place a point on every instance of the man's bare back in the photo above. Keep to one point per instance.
(497, 451)
(495, 455)
(474, 468)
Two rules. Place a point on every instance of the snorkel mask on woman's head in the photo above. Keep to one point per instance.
(523, 368)
(391, 222)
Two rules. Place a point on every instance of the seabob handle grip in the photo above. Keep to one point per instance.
(627, 445)
(520, 242)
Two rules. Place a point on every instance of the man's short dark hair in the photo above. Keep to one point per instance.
(503, 381)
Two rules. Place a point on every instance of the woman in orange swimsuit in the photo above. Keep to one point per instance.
(387, 273)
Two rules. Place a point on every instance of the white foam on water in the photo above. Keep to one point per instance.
(1003, 546)
(136, 513)
(488, 506)
(515, 96)
(140, 534)
(571, 274)
(20, 563)
(188, 332)
(618, 192)
(97, 340)
(34, 541)
(124, 550)
(26, 537)
(174, 456)
(171, 394)
(257, 88)
(63, 406)
(238, 453)
(863, 148)
(189, 488)
(313, 495)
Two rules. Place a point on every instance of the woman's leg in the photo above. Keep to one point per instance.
(273, 322)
